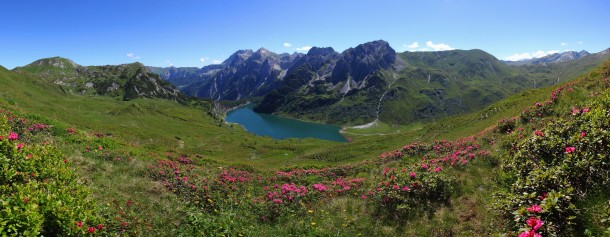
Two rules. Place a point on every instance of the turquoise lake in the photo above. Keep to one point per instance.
(281, 128)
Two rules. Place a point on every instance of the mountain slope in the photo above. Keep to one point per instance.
(336, 88)
(127, 81)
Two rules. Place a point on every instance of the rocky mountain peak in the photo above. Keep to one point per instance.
(238, 57)
(364, 60)
(321, 51)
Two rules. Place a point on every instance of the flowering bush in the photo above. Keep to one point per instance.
(409, 191)
(39, 193)
(556, 165)
(506, 125)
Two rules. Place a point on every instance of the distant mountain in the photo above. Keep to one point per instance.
(127, 81)
(544, 74)
(179, 76)
(244, 74)
(551, 58)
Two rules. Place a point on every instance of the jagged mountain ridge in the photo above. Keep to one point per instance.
(332, 87)
(244, 74)
(127, 81)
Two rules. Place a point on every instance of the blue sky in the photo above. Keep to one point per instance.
(197, 33)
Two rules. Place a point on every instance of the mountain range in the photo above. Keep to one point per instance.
(372, 81)
(368, 83)
(551, 58)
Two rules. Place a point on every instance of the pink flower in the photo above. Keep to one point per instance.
(570, 149)
(79, 224)
(437, 169)
(405, 188)
(320, 187)
(575, 111)
(19, 146)
(363, 196)
(278, 201)
(539, 133)
(534, 223)
(100, 227)
(531, 233)
(26, 200)
(535, 209)
(395, 187)
(424, 166)
(91, 229)
(412, 174)
(583, 134)
(13, 136)
(585, 110)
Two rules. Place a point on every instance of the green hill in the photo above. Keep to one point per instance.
(128, 81)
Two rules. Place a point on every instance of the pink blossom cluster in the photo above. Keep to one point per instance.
(232, 175)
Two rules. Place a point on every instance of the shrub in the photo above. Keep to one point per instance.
(556, 165)
(39, 193)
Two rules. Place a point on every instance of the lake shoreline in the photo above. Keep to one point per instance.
(280, 127)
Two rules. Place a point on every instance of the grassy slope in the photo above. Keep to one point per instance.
(153, 124)
(147, 128)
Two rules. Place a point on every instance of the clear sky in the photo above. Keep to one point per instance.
(200, 32)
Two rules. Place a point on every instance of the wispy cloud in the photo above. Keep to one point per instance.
(414, 45)
(216, 61)
(287, 45)
(438, 47)
(304, 48)
(132, 56)
(564, 44)
(169, 63)
(523, 56)
(430, 46)
(204, 59)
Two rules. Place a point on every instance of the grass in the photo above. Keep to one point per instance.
(144, 131)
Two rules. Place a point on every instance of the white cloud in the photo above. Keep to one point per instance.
(414, 45)
(552, 51)
(523, 56)
(203, 59)
(132, 56)
(564, 44)
(287, 45)
(579, 42)
(438, 47)
(169, 63)
(304, 48)
(216, 61)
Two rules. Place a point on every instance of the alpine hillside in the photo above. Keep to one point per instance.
(127, 81)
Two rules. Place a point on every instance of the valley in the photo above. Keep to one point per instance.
(437, 118)
(174, 167)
